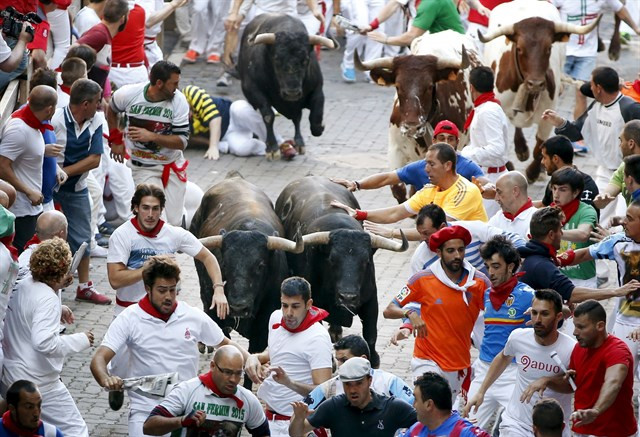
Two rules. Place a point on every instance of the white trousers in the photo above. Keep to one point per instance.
(136, 422)
(420, 366)
(122, 76)
(497, 397)
(59, 409)
(310, 22)
(60, 36)
(207, 36)
(174, 191)
(279, 428)
(119, 187)
(244, 123)
(361, 13)
(153, 53)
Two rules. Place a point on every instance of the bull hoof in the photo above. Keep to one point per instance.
(601, 46)
(301, 150)
(273, 155)
(510, 166)
(533, 171)
(375, 360)
(522, 155)
(335, 333)
(614, 51)
(202, 348)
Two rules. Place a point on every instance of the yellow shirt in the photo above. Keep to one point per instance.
(461, 201)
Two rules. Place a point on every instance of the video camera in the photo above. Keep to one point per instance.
(12, 22)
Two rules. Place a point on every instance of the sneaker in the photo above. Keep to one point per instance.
(99, 252)
(91, 295)
(62, 329)
(191, 56)
(116, 399)
(213, 59)
(224, 80)
(348, 74)
(106, 229)
(101, 240)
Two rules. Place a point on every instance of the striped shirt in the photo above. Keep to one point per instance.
(205, 108)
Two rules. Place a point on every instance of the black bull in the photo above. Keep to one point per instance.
(278, 69)
(338, 255)
(237, 222)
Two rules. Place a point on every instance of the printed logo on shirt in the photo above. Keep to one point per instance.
(438, 301)
(380, 424)
(187, 334)
(527, 363)
(510, 300)
(403, 294)
(511, 312)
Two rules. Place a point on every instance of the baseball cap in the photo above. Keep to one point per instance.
(354, 369)
(447, 127)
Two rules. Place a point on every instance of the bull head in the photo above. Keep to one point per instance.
(377, 242)
(270, 39)
(559, 27)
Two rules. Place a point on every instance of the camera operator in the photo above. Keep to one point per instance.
(11, 59)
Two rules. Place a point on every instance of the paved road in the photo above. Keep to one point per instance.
(354, 145)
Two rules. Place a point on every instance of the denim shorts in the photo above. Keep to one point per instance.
(76, 206)
(580, 67)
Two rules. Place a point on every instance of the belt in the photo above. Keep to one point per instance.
(127, 65)
(124, 303)
(275, 416)
(140, 164)
(181, 172)
(496, 169)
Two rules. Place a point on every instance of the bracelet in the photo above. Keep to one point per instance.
(407, 313)
(219, 284)
(374, 24)
(361, 215)
(357, 185)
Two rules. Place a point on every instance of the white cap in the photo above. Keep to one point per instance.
(354, 369)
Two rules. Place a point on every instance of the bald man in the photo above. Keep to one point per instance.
(211, 402)
(21, 155)
(49, 224)
(516, 207)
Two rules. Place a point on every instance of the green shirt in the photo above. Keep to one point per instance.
(586, 214)
(618, 180)
(437, 15)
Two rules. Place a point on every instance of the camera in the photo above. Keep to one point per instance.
(12, 22)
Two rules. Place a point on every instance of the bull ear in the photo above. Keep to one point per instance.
(561, 37)
(383, 76)
(446, 74)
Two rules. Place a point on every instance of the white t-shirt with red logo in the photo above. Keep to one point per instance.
(534, 361)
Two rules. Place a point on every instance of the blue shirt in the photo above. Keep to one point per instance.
(498, 324)
(454, 426)
(415, 173)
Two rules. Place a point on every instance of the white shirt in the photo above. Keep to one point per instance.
(488, 136)
(601, 130)
(158, 347)
(151, 7)
(63, 100)
(5, 50)
(33, 348)
(519, 225)
(298, 354)
(167, 117)
(534, 362)
(222, 413)
(24, 146)
(85, 19)
(132, 249)
(8, 274)
(579, 13)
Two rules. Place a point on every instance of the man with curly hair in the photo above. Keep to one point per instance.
(34, 349)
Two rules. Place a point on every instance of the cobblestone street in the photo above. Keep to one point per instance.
(353, 145)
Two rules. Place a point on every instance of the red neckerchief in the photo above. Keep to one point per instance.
(153, 233)
(65, 89)
(528, 204)
(636, 85)
(499, 294)
(34, 240)
(569, 209)
(12, 427)
(314, 315)
(553, 252)
(482, 98)
(207, 380)
(26, 114)
(8, 242)
(148, 308)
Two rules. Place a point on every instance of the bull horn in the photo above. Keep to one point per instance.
(379, 242)
(279, 243)
(500, 31)
(321, 41)
(265, 38)
(464, 62)
(370, 65)
(579, 30)
(213, 242)
(316, 238)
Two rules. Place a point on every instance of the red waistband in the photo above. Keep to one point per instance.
(275, 416)
(124, 303)
(496, 169)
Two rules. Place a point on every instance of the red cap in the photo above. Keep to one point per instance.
(447, 127)
(454, 232)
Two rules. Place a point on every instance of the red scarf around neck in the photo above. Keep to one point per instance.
(13, 427)
(65, 89)
(569, 209)
(553, 252)
(482, 98)
(499, 294)
(153, 233)
(34, 240)
(207, 380)
(8, 242)
(528, 204)
(148, 308)
(26, 114)
(314, 315)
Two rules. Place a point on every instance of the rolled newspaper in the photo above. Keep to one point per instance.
(151, 386)
(556, 358)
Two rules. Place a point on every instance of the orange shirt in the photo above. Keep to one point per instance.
(448, 319)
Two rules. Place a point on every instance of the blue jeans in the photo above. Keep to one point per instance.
(77, 208)
(5, 78)
(580, 67)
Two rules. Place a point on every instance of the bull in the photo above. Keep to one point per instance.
(278, 69)
(432, 85)
(528, 66)
(236, 221)
(338, 256)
